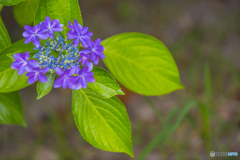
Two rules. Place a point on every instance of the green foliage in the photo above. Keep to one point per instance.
(105, 84)
(4, 37)
(10, 2)
(1, 7)
(9, 78)
(11, 109)
(24, 12)
(141, 63)
(44, 88)
(102, 122)
(64, 10)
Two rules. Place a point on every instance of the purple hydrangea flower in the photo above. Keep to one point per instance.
(21, 62)
(35, 73)
(70, 26)
(84, 58)
(66, 79)
(51, 26)
(79, 33)
(83, 77)
(95, 50)
(34, 34)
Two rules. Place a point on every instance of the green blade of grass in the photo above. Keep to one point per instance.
(167, 130)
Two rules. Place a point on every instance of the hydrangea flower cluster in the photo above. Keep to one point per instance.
(59, 55)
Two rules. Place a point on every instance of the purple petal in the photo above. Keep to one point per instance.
(16, 65)
(96, 60)
(88, 34)
(55, 22)
(36, 41)
(18, 57)
(77, 69)
(97, 42)
(85, 30)
(100, 54)
(26, 55)
(90, 79)
(30, 74)
(28, 29)
(26, 34)
(89, 74)
(32, 79)
(79, 83)
(84, 42)
(29, 69)
(71, 85)
(71, 35)
(85, 69)
(42, 78)
(70, 71)
(21, 70)
(84, 51)
(84, 83)
(33, 63)
(58, 82)
(58, 29)
(76, 42)
(48, 20)
(59, 71)
(64, 84)
(44, 70)
(90, 66)
(28, 39)
(93, 56)
(42, 35)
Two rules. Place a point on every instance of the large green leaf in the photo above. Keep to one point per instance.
(64, 10)
(10, 2)
(11, 109)
(105, 84)
(103, 122)
(9, 78)
(4, 37)
(24, 12)
(44, 88)
(141, 63)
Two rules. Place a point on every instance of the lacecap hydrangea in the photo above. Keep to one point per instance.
(71, 58)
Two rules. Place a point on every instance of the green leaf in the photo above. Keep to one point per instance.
(103, 122)
(1, 7)
(105, 84)
(11, 109)
(4, 37)
(141, 63)
(24, 12)
(64, 10)
(44, 88)
(10, 2)
(9, 79)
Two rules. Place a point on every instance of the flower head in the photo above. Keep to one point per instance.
(66, 78)
(21, 62)
(83, 77)
(34, 34)
(79, 33)
(51, 26)
(95, 50)
(59, 55)
(35, 73)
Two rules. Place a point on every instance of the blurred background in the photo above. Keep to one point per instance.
(204, 39)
